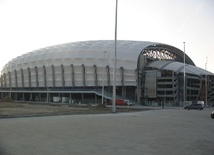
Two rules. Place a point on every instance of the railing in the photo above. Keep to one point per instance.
(98, 91)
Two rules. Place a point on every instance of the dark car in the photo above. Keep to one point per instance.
(194, 106)
(212, 114)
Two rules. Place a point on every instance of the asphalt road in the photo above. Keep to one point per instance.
(153, 132)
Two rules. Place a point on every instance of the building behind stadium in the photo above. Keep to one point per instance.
(78, 72)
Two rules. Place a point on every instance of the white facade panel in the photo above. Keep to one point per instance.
(33, 77)
(19, 78)
(49, 77)
(13, 84)
(41, 76)
(130, 77)
(7, 80)
(26, 78)
(67, 76)
(78, 75)
(89, 76)
(87, 53)
(102, 76)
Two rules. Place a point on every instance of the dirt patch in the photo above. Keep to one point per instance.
(7, 99)
(15, 109)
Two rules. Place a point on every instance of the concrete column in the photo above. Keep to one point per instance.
(95, 75)
(22, 76)
(95, 98)
(29, 77)
(15, 96)
(124, 91)
(16, 80)
(31, 96)
(40, 98)
(45, 76)
(53, 75)
(83, 74)
(36, 73)
(63, 76)
(82, 100)
(72, 75)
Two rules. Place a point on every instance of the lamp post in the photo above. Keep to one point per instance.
(47, 79)
(47, 95)
(180, 99)
(10, 82)
(11, 67)
(115, 64)
(206, 85)
(47, 87)
(164, 99)
(103, 76)
(184, 89)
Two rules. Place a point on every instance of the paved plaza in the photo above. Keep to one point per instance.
(154, 132)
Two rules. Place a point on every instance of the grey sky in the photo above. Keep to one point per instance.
(28, 25)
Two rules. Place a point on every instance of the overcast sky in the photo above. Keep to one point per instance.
(27, 25)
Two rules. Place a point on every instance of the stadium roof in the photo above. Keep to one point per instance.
(90, 53)
(178, 67)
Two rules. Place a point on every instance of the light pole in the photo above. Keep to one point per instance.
(206, 80)
(47, 95)
(184, 89)
(180, 99)
(47, 87)
(103, 76)
(115, 64)
(47, 79)
(11, 67)
(164, 99)
(10, 81)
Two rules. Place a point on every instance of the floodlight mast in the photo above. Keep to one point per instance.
(10, 78)
(115, 64)
(103, 79)
(206, 85)
(184, 95)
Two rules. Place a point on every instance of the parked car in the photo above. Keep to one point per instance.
(212, 114)
(128, 103)
(194, 106)
(118, 102)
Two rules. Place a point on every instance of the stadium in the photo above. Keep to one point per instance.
(82, 72)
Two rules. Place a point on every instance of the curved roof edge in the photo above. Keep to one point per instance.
(178, 67)
(127, 53)
(171, 51)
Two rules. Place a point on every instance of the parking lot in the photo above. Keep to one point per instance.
(173, 131)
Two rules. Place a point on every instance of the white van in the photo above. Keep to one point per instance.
(201, 102)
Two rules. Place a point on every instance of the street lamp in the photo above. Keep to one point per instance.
(103, 76)
(47, 95)
(11, 67)
(184, 77)
(47, 79)
(180, 99)
(164, 99)
(115, 64)
(10, 82)
(206, 85)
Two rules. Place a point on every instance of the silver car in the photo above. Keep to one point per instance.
(212, 114)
